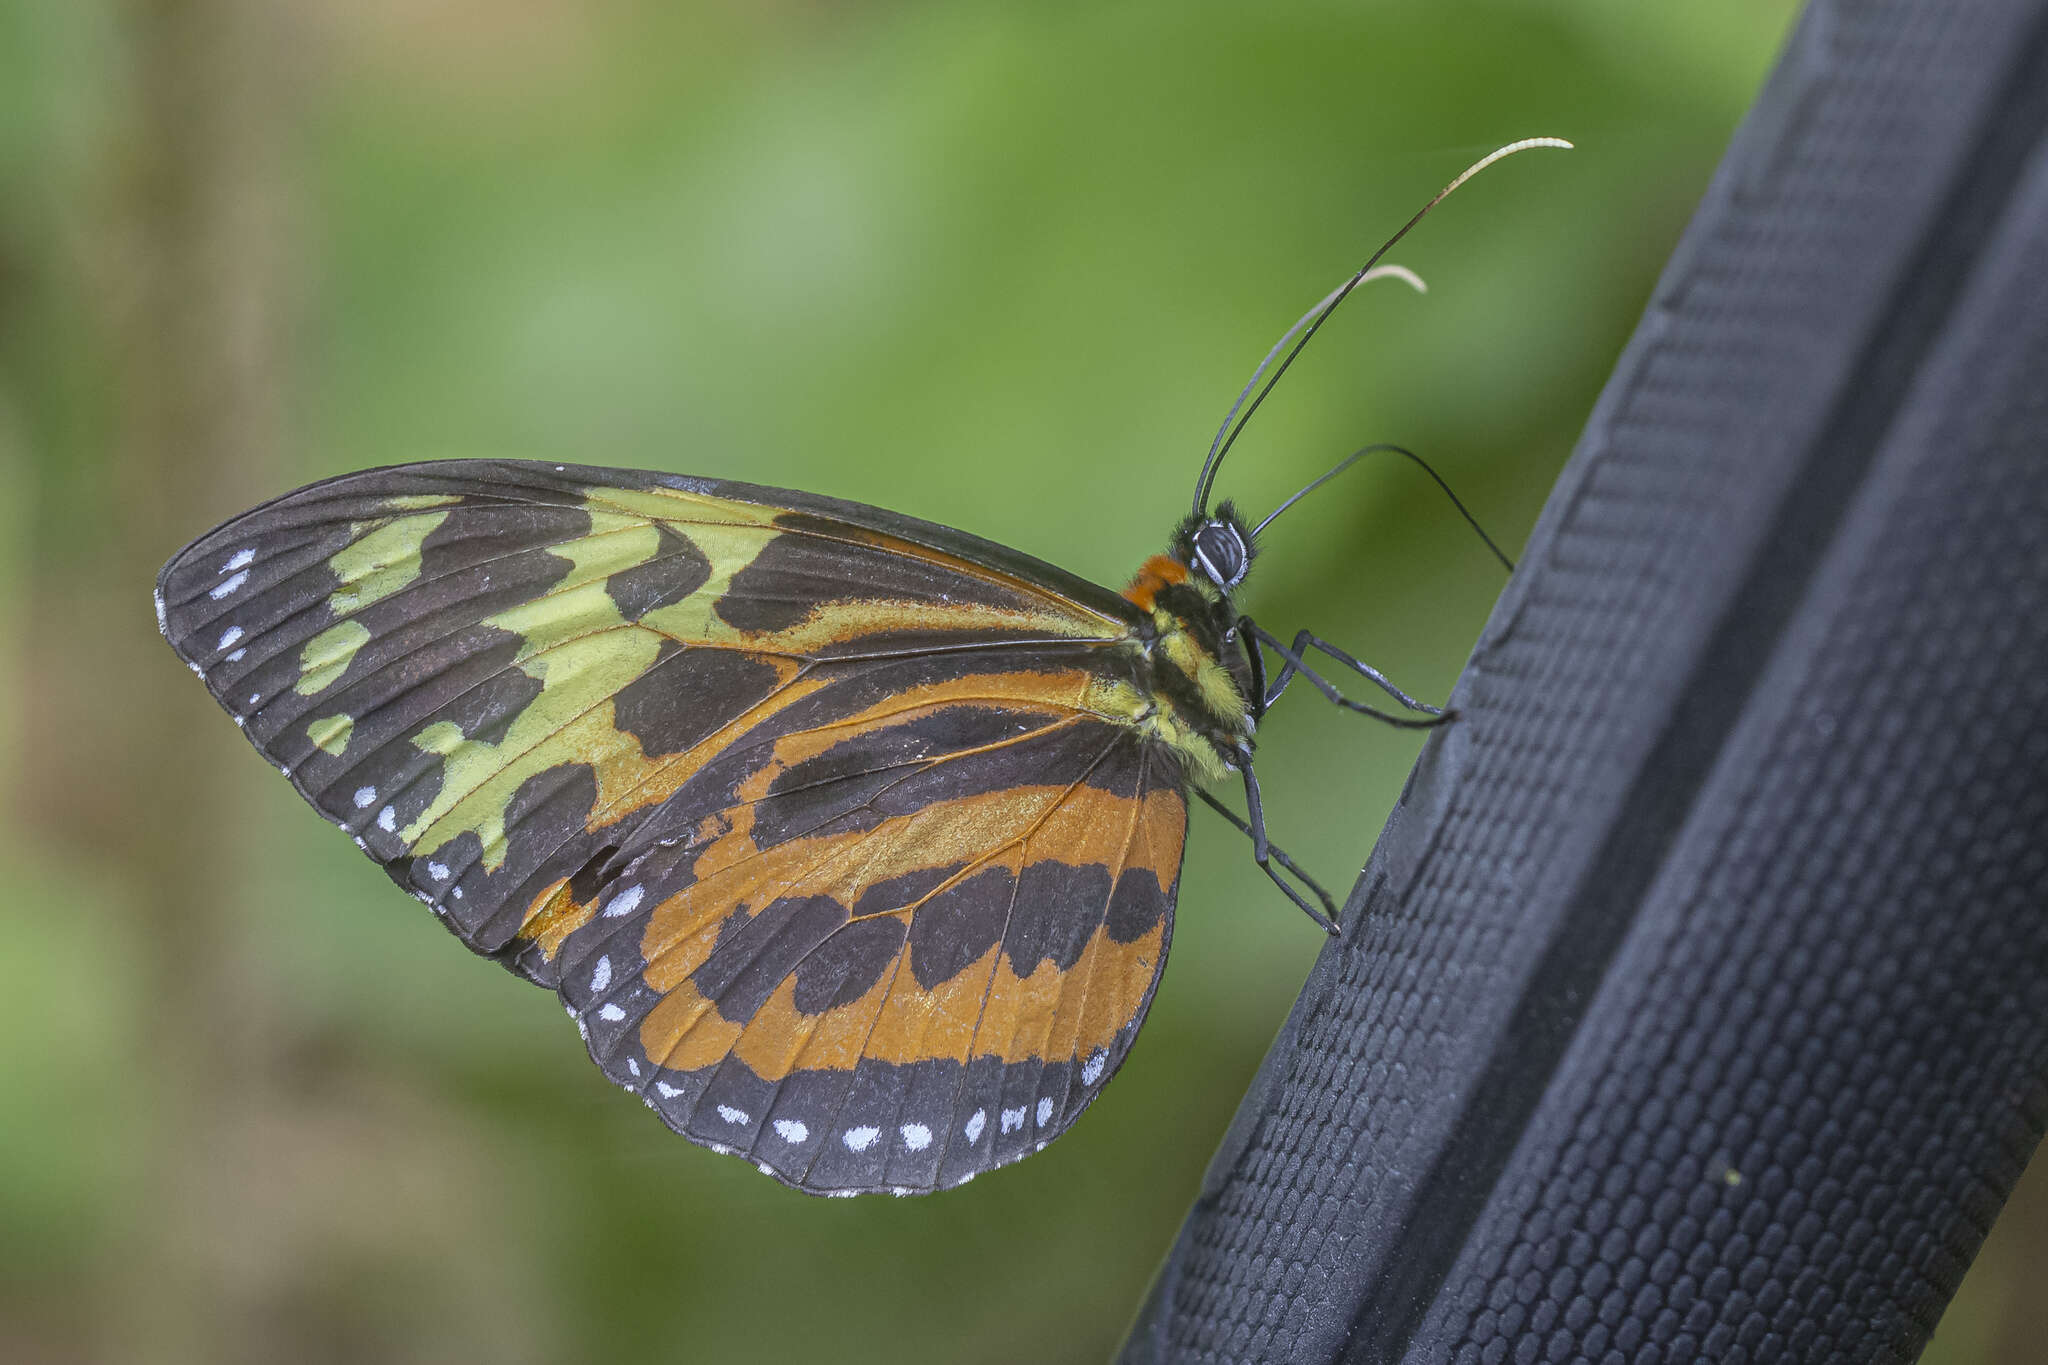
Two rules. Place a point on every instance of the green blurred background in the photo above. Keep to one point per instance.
(1001, 267)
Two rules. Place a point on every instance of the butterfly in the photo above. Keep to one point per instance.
(851, 842)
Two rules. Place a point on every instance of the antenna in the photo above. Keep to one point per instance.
(1329, 300)
(1312, 321)
(1385, 448)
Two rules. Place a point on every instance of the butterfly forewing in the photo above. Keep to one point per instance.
(828, 825)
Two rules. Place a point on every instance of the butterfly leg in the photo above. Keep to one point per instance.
(1293, 665)
(1266, 853)
(1303, 641)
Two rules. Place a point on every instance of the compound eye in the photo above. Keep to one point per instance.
(1221, 552)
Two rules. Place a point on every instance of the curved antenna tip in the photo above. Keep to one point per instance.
(1497, 154)
(1390, 271)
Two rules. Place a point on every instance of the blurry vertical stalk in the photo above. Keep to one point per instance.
(195, 201)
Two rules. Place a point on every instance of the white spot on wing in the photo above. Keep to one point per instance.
(916, 1136)
(365, 797)
(625, 903)
(228, 587)
(633, 1066)
(387, 820)
(792, 1131)
(1045, 1111)
(861, 1138)
(241, 559)
(975, 1125)
(601, 975)
(1013, 1119)
(611, 1014)
(229, 636)
(668, 1092)
(438, 871)
(235, 656)
(1092, 1072)
(737, 1117)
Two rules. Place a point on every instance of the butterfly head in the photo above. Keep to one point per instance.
(1216, 547)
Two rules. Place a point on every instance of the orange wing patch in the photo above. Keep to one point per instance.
(899, 1017)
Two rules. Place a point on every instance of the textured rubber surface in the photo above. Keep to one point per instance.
(1694, 1005)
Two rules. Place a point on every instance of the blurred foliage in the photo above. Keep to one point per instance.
(1001, 267)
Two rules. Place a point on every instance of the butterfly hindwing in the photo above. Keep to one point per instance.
(739, 772)
(905, 950)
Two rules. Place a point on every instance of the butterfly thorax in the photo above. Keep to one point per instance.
(1198, 678)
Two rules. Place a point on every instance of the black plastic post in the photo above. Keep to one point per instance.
(1694, 1004)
